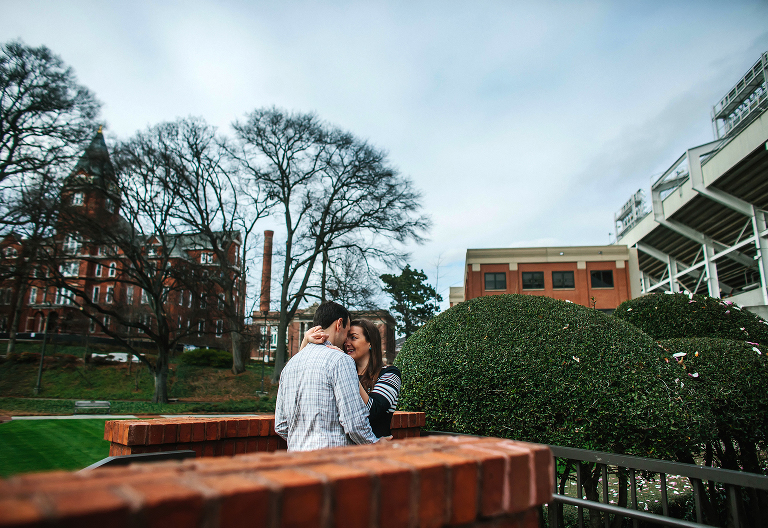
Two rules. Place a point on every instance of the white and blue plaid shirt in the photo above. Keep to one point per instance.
(318, 401)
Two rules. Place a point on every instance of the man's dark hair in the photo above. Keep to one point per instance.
(328, 313)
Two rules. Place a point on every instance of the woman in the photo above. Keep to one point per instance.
(379, 386)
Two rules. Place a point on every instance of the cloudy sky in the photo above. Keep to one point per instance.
(523, 123)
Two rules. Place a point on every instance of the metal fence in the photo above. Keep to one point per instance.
(744, 501)
(745, 493)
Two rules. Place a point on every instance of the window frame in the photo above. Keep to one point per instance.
(496, 275)
(522, 281)
(592, 280)
(564, 287)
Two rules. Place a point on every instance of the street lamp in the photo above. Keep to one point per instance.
(264, 340)
(42, 352)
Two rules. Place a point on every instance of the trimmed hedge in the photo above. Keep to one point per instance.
(543, 370)
(680, 315)
(207, 357)
(732, 378)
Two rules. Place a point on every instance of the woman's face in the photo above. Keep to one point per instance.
(356, 345)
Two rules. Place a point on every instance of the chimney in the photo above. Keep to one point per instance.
(266, 271)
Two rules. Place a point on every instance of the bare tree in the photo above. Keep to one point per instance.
(45, 115)
(149, 265)
(45, 119)
(217, 207)
(333, 191)
(352, 281)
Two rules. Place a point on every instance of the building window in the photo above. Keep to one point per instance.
(5, 296)
(77, 198)
(221, 301)
(219, 327)
(129, 295)
(181, 298)
(110, 294)
(203, 303)
(533, 280)
(96, 294)
(112, 269)
(602, 278)
(92, 326)
(189, 301)
(106, 322)
(97, 271)
(110, 203)
(178, 322)
(63, 297)
(563, 279)
(495, 281)
(273, 337)
(33, 295)
(70, 269)
(200, 328)
(10, 252)
(144, 298)
(72, 244)
(206, 258)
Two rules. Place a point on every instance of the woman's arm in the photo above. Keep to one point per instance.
(363, 394)
(314, 335)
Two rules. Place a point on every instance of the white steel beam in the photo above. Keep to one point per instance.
(711, 266)
(759, 227)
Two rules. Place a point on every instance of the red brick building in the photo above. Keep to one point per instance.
(98, 271)
(597, 276)
(302, 322)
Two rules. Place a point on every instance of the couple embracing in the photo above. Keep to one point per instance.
(334, 391)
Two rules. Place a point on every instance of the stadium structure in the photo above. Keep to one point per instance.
(705, 230)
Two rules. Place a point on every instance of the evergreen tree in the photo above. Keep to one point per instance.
(415, 301)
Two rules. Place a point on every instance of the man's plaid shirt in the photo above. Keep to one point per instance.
(318, 401)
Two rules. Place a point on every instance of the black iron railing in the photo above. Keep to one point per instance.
(745, 504)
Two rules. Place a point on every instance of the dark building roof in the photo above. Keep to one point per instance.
(95, 161)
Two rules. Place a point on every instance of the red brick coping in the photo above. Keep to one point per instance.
(218, 436)
(427, 482)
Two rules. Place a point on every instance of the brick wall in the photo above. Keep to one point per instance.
(217, 436)
(427, 482)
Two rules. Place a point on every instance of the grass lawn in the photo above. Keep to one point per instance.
(44, 445)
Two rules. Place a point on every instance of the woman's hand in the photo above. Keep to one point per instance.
(314, 335)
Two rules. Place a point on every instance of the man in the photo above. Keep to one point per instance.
(318, 401)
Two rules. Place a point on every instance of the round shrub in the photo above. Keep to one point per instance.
(207, 357)
(680, 315)
(542, 370)
(731, 377)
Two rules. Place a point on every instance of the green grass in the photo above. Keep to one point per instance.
(36, 406)
(44, 445)
(77, 381)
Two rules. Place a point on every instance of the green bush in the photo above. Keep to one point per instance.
(672, 316)
(207, 357)
(731, 377)
(543, 370)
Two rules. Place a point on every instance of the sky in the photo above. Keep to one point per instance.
(522, 123)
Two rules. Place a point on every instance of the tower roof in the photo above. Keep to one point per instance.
(95, 160)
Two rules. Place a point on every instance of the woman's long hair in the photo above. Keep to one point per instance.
(375, 363)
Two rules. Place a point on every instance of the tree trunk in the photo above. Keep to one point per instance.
(15, 322)
(160, 373)
(622, 477)
(238, 357)
(590, 482)
(281, 354)
(323, 275)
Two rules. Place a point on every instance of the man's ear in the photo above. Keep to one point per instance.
(339, 324)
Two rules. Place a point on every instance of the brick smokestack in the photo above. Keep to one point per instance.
(266, 271)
